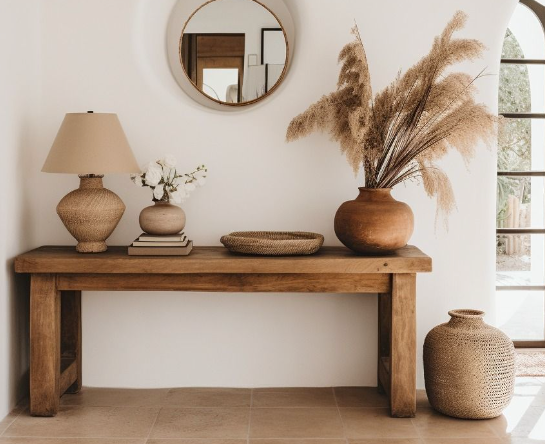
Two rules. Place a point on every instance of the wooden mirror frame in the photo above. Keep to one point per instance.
(183, 12)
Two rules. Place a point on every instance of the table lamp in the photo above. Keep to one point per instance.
(91, 145)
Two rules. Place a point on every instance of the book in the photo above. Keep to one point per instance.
(139, 243)
(144, 237)
(161, 251)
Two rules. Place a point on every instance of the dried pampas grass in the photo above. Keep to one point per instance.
(405, 129)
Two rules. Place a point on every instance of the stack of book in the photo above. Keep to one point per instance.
(155, 245)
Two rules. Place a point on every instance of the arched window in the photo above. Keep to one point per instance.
(520, 245)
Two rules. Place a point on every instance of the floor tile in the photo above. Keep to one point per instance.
(296, 423)
(293, 397)
(71, 441)
(299, 441)
(208, 397)
(375, 423)
(87, 422)
(107, 397)
(8, 420)
(360, 397)
(196, 441)
(530, 394)
(524, 380)
(463, 441)
(529, 389)
(278, 416)
(202, 423)
(385, 441)
(431, 424)
(514, 440)
(521, 421)
(422, 399)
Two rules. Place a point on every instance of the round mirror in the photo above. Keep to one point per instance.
(233, 52)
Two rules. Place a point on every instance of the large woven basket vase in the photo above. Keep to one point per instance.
(469, 367)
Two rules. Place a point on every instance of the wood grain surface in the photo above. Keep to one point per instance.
(45, 345)
(403, 346)
(231, 283)
(218, 260)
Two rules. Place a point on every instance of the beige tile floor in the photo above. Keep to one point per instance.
(267, 416)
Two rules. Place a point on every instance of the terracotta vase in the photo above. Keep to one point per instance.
(469, 367)
(374, 223)
(162, 219)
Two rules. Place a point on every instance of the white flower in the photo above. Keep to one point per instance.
(154, 176)
(169, 161)
(161, 175)
(158, 192)
(177, 197)
(168, 173)
(189, 187)
(201, 180)
(179, 182)
(137, 179)
(150, 166)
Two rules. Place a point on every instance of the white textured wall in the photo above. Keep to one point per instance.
(19, 99)
(111, 56)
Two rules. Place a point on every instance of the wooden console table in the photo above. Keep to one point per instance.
(60, 274)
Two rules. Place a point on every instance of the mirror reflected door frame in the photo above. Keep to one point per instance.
(213, 51)
(264, 32)
(264, 61)
(221, 63)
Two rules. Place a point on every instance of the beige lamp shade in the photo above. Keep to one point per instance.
(91, 143)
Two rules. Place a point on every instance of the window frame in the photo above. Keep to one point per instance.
(539, 10)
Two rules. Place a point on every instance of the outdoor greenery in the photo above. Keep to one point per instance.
(514, 145)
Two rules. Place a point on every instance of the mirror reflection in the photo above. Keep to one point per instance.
(234, 51)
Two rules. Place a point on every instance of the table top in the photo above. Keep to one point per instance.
(64, 259)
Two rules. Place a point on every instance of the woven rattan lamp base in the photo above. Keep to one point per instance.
(91, 214)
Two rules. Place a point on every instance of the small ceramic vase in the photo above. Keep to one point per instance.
(162, 219)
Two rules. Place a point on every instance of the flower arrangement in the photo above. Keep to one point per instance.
(400, 133)
(166, 183)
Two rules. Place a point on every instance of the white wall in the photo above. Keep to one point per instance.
(110, 56)
(19, 98)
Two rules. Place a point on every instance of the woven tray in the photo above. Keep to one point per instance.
(273, 243)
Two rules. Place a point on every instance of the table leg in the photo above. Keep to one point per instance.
(403, 346)
(45, 334)
(384, 323)
(71, 335)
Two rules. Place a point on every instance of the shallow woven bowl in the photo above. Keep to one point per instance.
(273, 243)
